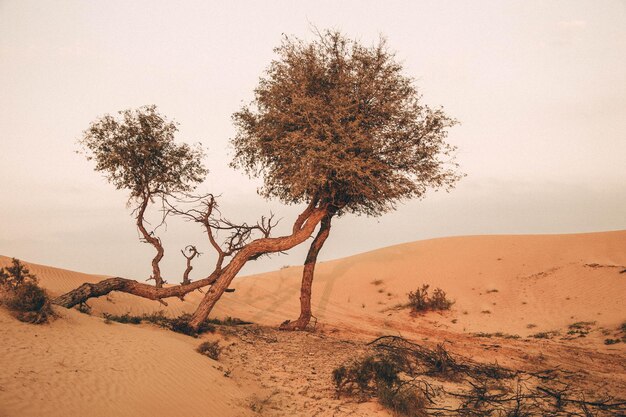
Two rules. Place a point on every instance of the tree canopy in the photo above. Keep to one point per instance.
(340, 122)
(137, 152)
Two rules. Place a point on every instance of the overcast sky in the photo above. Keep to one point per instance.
(539, 88)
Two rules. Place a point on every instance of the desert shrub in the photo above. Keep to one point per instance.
(228, 321)
(178, 324)
(611, 341)
(210, 349)
(15, 275)
(125, 318)
(158, 318)
(421, 301)
(379, 376)
(404, 400)
(580, 329)
(545, 335)
(22, 296)
(363, 377)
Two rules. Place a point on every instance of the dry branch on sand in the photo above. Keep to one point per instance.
(413, 380)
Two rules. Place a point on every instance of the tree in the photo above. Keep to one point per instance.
(137, 152)
(337, 123)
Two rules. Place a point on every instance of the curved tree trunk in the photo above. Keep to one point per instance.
(89, 290)
(307, 278)
(219, 279)
(251, 251)
(154, 241)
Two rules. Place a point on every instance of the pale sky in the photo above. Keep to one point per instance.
(539, 88)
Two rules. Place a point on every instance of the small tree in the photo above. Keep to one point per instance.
(339, 123)
(137, 152)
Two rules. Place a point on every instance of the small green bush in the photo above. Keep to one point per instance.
(125, 318)
(421, 301)
(228, 321)
(22, 296)
(210, 349)
(178, 324)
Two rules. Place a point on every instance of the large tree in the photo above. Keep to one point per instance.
(137, 152)
(338, 124)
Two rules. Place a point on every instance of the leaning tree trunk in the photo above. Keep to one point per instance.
(89, 290)
(154, 241)
(307, 278)
(252, 251)
(220, 279)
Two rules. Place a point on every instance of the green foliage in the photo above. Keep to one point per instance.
(421, 301)
(580, 329)
(178, 324)
(338, 122)
(228, 321)
(22, 296)
(545, 335)
(210, 349)
(137, 152)
(15, 275)
(125, 318)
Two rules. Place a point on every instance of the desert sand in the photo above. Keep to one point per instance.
(503, 287)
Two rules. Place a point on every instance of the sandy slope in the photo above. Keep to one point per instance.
(546, 280)
(500, 284)
(79, 366)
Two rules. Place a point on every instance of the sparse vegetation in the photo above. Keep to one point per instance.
(21, 295)
(228, 321)
(421, 301)
(498, 334)
(580, 329)
(545, 335)
(210, 349)
(492, 290)
(404, 376)
(379, 376)
(125, 318)
(611, 341)
(178, 324)
(377, 282)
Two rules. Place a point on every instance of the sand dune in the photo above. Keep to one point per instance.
(516, 285)
(499, 283)
(79, 366)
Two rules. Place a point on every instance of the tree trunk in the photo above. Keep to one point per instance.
(307, 278)
(89, 290)
(220, 279)
(252, 250)
(154, 241)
